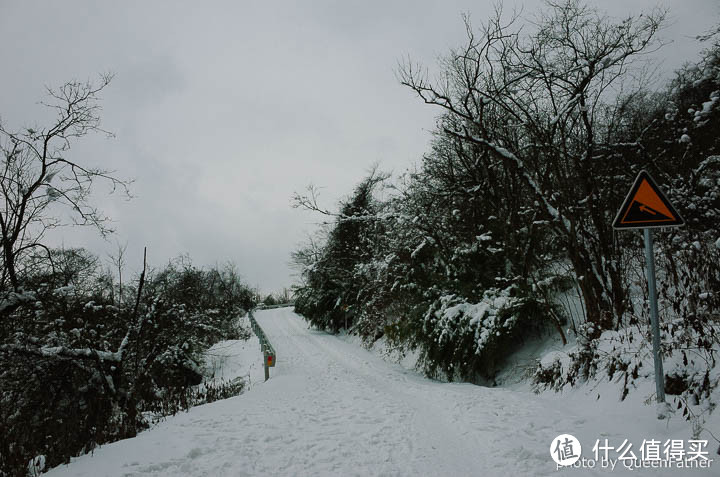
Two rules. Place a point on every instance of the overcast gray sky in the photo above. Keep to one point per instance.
(222, 110)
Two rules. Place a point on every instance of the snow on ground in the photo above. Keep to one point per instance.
(231, 359)
(334, 408)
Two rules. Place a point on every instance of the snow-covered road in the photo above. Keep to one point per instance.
(332, 408)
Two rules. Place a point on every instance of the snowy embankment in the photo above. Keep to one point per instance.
(333, 408)
(233, 359)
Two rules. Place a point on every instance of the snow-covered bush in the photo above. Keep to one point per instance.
(465, 340)
(692, 378)
(386, 268)
(79, 365)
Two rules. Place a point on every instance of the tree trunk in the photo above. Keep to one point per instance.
(10, 266)
(598, 308)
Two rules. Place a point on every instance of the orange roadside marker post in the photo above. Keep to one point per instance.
(266, 358)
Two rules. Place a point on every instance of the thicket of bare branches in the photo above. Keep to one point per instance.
(545, 106)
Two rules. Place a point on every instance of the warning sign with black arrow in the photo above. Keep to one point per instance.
(646, 206)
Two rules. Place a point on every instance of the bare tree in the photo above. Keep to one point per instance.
(36, 173)
(542, 105)
(118, 260)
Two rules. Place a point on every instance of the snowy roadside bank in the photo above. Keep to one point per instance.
(231, 359)
(226, 362)
(633, 416)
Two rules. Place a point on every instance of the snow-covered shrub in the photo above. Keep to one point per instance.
(460, 338)
(217, 390)
(692, 378)
(469, 341)
(79, 366)
(453, 231)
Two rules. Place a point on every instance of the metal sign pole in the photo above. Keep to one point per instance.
(654, 321)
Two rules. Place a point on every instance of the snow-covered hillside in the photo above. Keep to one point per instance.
(333, 408)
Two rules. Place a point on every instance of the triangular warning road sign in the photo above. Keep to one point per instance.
(646, 206)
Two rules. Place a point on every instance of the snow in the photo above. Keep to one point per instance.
(231, 359)
(61, 351)
(36, 465)
(66, 290)
(417, 250)
(334, 408)
(549, 358)
(14, 298)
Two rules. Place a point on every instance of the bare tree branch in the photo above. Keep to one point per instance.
(37, 173)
